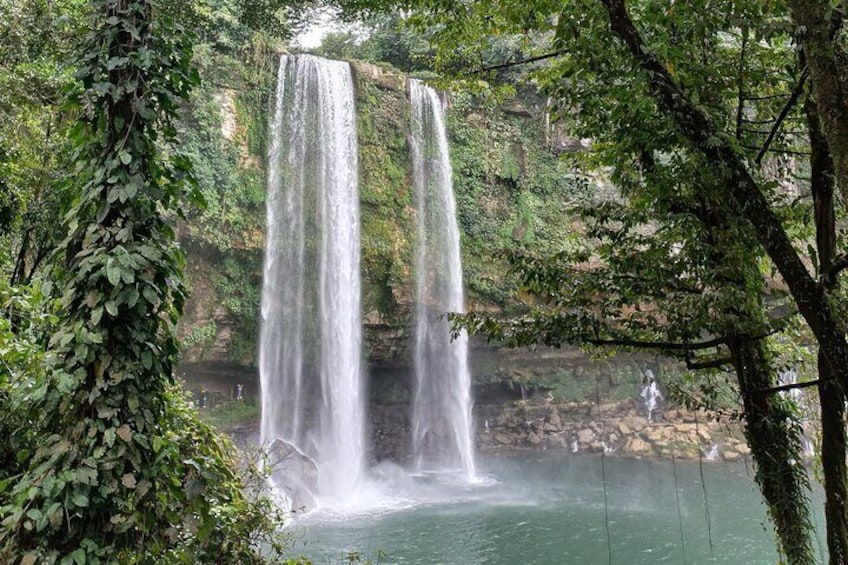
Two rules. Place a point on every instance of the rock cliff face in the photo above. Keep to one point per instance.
(511, 191)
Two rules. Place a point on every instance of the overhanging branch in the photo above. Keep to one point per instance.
(661, 345)
(711, 364)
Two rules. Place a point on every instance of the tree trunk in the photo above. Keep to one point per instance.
(832, 401)
(831, 393)
(815, 35)
(775, 444)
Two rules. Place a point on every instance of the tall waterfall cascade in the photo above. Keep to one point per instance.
(311, 334)
(441, 414)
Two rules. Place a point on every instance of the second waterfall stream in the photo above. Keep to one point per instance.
(442, 428)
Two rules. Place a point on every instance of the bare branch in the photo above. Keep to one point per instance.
(534, 59)
(796, 93)
(711, 364)
(791, 386)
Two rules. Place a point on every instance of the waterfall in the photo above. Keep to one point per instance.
(309, 352)
(441, 414)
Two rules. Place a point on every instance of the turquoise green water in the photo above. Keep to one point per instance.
(550, 509)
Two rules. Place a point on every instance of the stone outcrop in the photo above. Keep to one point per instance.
(614, 427)
(295, 473)
(382, 77)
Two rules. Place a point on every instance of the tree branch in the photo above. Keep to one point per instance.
(661, 345)
(712, 364)
(533, 59)
(779, 150)
(791, 386)
(796, 93)
(839, 264)
(740, 85)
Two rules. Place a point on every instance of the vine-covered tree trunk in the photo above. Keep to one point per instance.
(775, 442)
(771, 425)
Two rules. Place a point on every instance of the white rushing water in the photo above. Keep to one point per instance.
(309, 356)
(441, 417)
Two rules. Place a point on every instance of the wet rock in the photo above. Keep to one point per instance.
(383, 78)
(503, 439)
(655, 434)
(685, 428)
(638, 446)
(295, 473)
(730, 455)
(585, 436)
(688, 451)
(635, 423)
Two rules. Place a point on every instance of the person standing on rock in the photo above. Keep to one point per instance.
(651, 393)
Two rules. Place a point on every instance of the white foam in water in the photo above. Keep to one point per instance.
(391, 488)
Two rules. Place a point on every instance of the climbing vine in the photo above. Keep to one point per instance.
(121, 470)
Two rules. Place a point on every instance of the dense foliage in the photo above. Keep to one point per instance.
(696, 109)
(721, 235)
(37, 42)
(104, 461)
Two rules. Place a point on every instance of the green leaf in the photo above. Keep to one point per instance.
(113, 272)
(149, 295)
(79, 556)
(80, 500)
(132, 297)
(128, 276)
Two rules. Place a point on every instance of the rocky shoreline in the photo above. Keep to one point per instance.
(619, 428)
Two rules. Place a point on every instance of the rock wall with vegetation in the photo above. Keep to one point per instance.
(512, 191)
